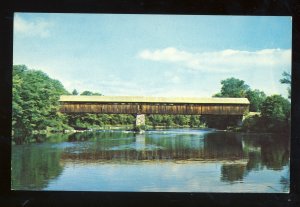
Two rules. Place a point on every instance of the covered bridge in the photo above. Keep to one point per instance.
(153, 105)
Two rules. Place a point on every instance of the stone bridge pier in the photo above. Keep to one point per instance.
(140, 120)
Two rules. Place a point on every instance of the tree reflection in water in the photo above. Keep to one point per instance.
(233, 172)
(35, 164)
(262, 151)
(33, 167)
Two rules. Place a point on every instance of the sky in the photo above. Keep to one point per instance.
(155, 55)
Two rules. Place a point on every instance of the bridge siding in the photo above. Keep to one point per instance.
(144, 108)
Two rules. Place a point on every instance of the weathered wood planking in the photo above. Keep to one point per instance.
(149, 108)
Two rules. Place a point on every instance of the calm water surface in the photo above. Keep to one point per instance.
(174, 160)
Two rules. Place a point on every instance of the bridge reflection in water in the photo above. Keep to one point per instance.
(252, 151)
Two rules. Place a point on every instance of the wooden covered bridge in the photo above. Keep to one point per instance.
(140, 105)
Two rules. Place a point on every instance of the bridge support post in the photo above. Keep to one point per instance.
(139, 122)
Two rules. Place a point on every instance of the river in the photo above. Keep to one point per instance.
(169, 160)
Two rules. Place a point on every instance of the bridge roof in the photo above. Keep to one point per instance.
(149, 99)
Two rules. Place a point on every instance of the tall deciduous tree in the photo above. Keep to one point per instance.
(233, 87)
(256, 98)
(35, 101)
(275, 114)
(236, 88)
(276, 107)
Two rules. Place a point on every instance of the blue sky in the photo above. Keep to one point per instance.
(155, 55)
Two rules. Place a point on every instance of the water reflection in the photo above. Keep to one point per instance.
(34, 165)
(233, 172)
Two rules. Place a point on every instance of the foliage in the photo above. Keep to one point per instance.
(182, 120)
(139, 128)
(194, 121)
(166, 120)
(35, 102)
(287, 79)
(96, 121)
(276, 107)
(275, 110)
(236, 88)
(275, 116)
(89, 93)
(233, 87)
(75, 92)
(35, 108)
(252, 123)
(256, 98)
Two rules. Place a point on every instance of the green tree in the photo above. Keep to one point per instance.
(168, 120)
(256, 98)
(275, 114)
(233, 87)
(236, 88)
(89, 93)
(35, 102)
(75, 92)
(130, 119)
(194, 121)
(182, 120)
(253, 123)
(287, 79)
(276, 107)
(155, 119)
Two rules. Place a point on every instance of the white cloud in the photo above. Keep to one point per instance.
(36, 28)
(221, 61)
